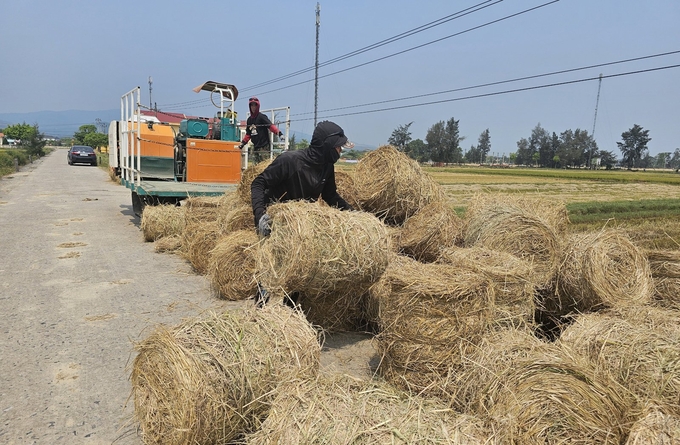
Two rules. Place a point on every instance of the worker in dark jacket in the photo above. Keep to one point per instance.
(299, 175)
(303, 174)
(258, 127)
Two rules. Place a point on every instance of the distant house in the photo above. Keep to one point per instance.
(2, 139)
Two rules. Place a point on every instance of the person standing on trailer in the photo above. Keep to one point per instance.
(258, 127)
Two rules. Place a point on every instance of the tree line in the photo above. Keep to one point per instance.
(32, 140)
(569, 149)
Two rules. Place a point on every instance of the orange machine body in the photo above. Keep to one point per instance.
(210, 160)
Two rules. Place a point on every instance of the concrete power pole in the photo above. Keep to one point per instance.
(592, 135)
(316, 64)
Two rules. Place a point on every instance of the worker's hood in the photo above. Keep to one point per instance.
(256, 101)
(327, 135)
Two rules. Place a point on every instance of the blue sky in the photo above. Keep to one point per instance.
(68, 55)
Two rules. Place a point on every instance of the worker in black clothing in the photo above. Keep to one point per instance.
(300, 175)
(258, 127)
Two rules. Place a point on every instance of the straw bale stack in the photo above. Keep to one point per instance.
(656, 427)
(162, 220)
(343, 410)
(168, 244)
(198, 239)
(601, 270)
(643, 359)
(320, 251)
(511, 276)
(507, 226)
(430, 316)
(393, 186)
(347, 188)
(665, 267)
(432, 228)
(212, 378)
(231, 265)
(535, 393)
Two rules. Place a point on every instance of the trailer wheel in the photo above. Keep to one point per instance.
(138, 204)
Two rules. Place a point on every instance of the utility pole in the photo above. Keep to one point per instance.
(316, 64)
(150, 103)
(592, 134)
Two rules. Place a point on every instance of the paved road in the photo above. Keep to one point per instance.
(77, 286)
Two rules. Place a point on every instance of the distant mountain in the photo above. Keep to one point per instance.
(59, 123)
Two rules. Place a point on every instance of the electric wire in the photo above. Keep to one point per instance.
(497, 93)
(415, 47)
(500, 82)
(392, 39)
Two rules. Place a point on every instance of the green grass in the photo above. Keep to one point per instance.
(621, 176)
(584, 212)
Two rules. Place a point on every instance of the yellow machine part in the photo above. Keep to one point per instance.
(213, 161)
(157, 141)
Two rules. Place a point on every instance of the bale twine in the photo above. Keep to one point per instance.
(393, 186)
(643, 359)
(168, 244)
(198, 239)
(665, 267)
(318, 250)
(343, 410)
(430, 315)
(432, 228)
(347, 189)
(247, 177)
(553, 213)
(212, 378)
(231, 265)
(512, 278)
(656, 426)
(535, 393)
(510, 228)
(601, 270)
(162, 220)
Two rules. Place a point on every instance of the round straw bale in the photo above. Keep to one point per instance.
(430, 315)
(644, 360)
(600, 270)
(535, 393)
(250, 173)
(347, 189)
(231, 265)
(657, 426)
(162, 220)
(212, 378)
(553, 213)
(511, 229)
(342, 410)
(336, 311)
(393, 186)
(197, 241)
(511, 276)
(432, 228)
(168, 244)
(316, 250)
(665, 267)
(237, 217)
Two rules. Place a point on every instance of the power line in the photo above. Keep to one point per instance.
(392, 39)
(418, 46)
(497, 93)
(517, 79)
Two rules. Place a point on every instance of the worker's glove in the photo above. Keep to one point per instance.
(280, 134)
(264, 226)
(241, 145)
